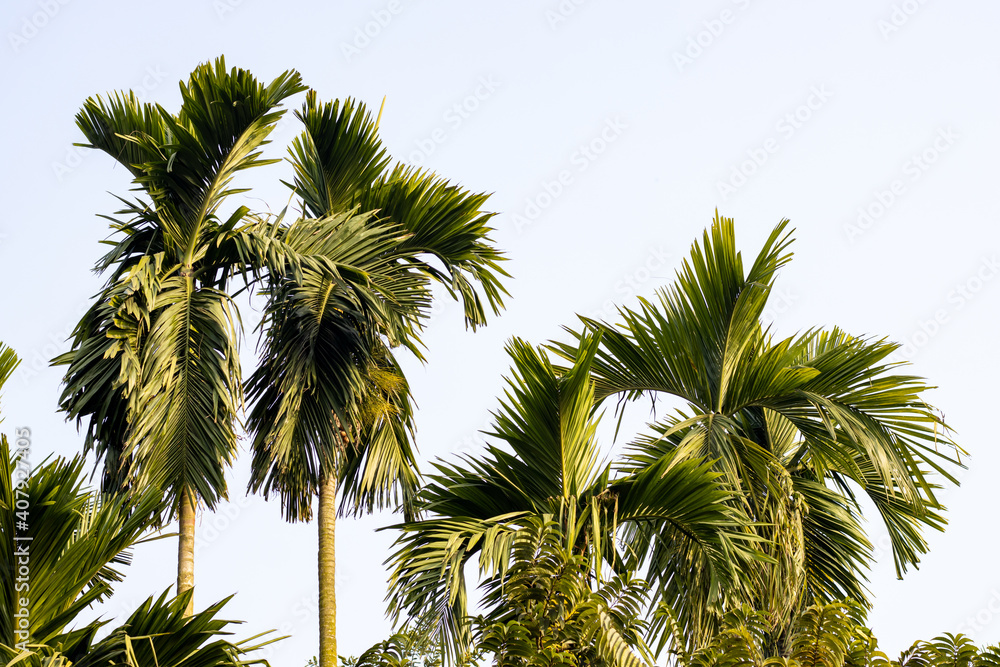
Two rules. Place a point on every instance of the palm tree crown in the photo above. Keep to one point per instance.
(154, 368)
(800, 426)
(331, 408)
(549, 466)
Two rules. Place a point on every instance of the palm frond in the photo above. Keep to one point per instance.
(549, 467)
(183, 412)
(807, 419)
(77, 542)
(340, 164)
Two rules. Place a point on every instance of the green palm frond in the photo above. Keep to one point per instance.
(989, 656)
(186, 163)
(678, 526)
(182, 429)
(114, 125)
(838, 551)
(549, 421)
(411, 648)
(696, 337)
(361, 286)
(157, 633)
(383, 473)
(153, 371)
(160, 633)
(822, 636)
(78, 540)
(447, 226)
(340, 164)
(549, 466)
(105, 366)
(796, 426)
(950, 650)
(738, 643)
(79, 543)
(323, 352)
(337, 156)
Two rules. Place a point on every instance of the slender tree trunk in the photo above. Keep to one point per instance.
(185, 548)
(327, 519)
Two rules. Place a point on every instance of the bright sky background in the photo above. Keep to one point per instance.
(762, 108)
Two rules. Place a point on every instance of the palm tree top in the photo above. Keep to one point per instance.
(802, 425)
(185, 163)
(548, 467)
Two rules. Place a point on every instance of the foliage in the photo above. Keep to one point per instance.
(154, 366)
(824, 635)
(798, 425)
(743, 508)
(78, 541)
(545, 611)
(949, 650)
(331, 407)
(410, 648)
(550, 468)
(322, 355)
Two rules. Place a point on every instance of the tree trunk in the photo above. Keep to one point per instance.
(327, 518)
(185, 547)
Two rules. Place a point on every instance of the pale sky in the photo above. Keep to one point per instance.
(609, 132)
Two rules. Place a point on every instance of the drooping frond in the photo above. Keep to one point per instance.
(78, 541)
(153, 371)
(183, 413)
(340, 164)
(327, 326)
(548, 466)
(796, 426)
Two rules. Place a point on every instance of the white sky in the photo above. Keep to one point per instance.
(674, 129)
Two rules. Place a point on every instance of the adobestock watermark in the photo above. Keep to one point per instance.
(958, 298)
(304, 611)
(288, 123)
(364, 35)
(786, 126)
(632, 283)
(713, 29)
(581, 160)
(75, 155)
(22, 537)
(214, 524)
(899, 16)
(475, 444)
(912, 170)
(453, 118)
(984, 617)
(562, 12)
(35, 361)
(34, 23)
(225, 7)
(779, 302)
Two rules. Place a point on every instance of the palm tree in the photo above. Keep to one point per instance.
(331, 408)
(549, 467)
(154, 367)
(801, 426)
(61, 548)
